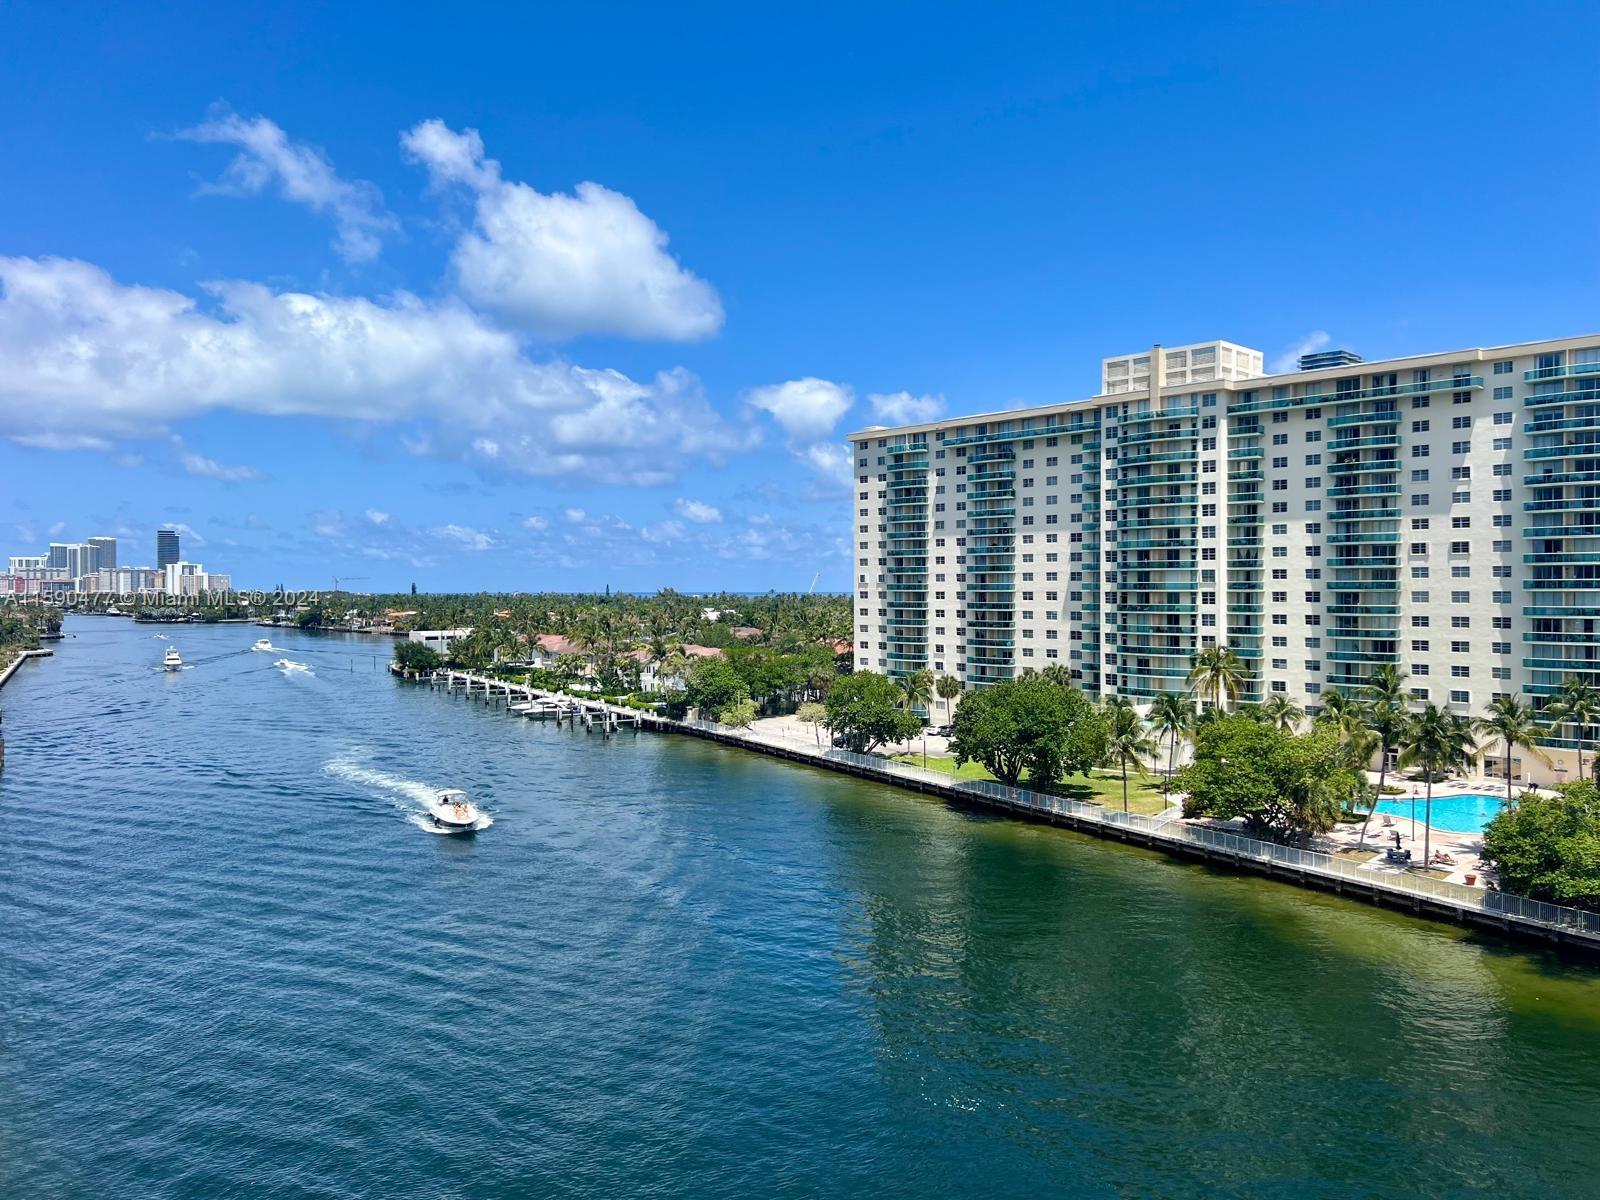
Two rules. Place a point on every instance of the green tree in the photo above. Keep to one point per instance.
(1383, 711)
(1219, 672)
(740, 714)
(814, 715)
(948, 687)
(916, 690)
(414, 656)
(1127, 740)
(1576, 703)
(1028, 724)
(1548, 847)
(714, 686)
(1439, 742)
(1171, 717)
(1284, 785)
(1283, 712)
(1510, 720)
(864, 709)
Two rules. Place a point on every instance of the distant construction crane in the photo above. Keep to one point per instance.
(813, 586)
(347, 579)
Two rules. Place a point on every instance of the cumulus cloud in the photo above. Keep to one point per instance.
(85, 357)
(558, 265)
(377, 517)
(209, 468)
(302, 174)
(574, 516)
(697, 511)
(808, 410)
(465, 536)
(902, 408)
(1289, 359)
(805, 408)
(535, 523)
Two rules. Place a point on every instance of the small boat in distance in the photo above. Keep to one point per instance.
(172, 660)
(262, 644)
(453, 812)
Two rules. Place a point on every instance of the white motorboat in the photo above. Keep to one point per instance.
(453, 812)
(172, 660)
(262, 644)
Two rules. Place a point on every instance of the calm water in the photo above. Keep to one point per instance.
(233, 965)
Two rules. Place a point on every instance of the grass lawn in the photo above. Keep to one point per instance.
(1144, 795)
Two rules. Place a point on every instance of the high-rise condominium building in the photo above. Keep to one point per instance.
(1439, 512)
(166, 548)
(105, 552)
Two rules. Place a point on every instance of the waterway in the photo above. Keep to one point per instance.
(233, 962)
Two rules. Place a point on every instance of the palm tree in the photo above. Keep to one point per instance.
(1438, 742)
(1219, 671)
(1283, 712)
(1341, 712)
(1576, 704)
(916, 691)
(1171, 717)
(948, 687)
(1511, 720)
(1127, 741)
(1384, 710)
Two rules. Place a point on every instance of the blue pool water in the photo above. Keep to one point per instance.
(1455, 813)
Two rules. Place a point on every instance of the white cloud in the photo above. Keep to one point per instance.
(575, 516)
(830, 460)
(464, 535)
(209, 468)
(83, 356)
(902, 408)
(536, 523)
(303, 175)
(697, 511)
(1289, 359)
(187, 532)
(62, 441)
(377, 517)
(563, 265)
(805, 408)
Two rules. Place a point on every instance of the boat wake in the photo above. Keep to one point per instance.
(410, 797)
(290, 667)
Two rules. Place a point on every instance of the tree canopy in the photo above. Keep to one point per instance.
(1033, 723)
(1548, 847)
(1282, 784)
(714, 687)
(864, 709)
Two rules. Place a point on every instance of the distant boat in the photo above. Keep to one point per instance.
(172, 660)
(262, 644)
(284, 664)
(113, 611)
(453, 812)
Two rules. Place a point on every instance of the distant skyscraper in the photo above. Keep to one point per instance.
(105, 552)
(166, 547)
(57, 558)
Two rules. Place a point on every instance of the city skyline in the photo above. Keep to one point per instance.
(931, 234)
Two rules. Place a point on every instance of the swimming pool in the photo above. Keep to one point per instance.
(1455, 812)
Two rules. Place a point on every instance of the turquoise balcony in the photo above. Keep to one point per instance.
(1565, 372)
(1163, 414)
(1375, 416)
(1366, 489)
(1363, 443)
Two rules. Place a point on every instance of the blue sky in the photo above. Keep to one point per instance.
(585, 297)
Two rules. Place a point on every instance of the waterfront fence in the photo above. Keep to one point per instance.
(1173, 830)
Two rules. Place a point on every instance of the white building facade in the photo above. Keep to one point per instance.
(1439, 512)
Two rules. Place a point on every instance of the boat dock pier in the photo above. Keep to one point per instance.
(524, 700)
